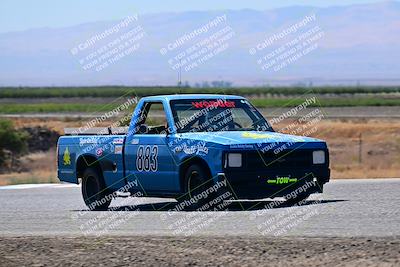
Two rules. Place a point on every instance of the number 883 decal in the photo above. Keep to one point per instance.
(146, 158)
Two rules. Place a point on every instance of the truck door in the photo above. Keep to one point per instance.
(148, 158)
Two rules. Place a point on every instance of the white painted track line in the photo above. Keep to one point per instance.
(32, 186)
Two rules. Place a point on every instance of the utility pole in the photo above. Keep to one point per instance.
(360, 149)
(180, 76)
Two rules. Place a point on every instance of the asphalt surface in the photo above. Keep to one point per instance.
(347, 208)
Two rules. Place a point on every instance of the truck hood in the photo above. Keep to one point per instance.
(247, 139)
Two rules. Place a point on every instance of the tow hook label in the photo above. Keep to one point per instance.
(282, 180)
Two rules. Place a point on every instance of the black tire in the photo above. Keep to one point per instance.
(94, 190)
(196, 181)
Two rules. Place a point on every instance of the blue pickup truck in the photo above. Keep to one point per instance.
(189, 146)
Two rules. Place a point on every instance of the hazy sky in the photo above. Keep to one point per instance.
(18, 15)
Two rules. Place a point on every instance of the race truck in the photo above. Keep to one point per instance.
(192, 148)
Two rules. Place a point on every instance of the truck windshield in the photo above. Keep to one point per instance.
(213, 115)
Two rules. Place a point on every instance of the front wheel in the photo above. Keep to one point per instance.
(201, 193)
(94, 190)
(196, 180)
(196, 196)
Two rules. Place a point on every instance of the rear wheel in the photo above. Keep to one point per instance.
(94, 190)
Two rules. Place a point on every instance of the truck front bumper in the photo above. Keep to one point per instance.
(271, 184)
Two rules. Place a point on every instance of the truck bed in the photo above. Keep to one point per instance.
(96, 131)
(106, 149)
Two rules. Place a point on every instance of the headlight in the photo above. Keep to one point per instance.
(235, 160)
(318, 157)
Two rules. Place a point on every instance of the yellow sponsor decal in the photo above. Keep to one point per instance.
(66, 157)
(257, 135)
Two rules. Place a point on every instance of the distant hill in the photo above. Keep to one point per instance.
(360, 42)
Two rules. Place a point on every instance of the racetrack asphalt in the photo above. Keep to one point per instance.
(347, 208)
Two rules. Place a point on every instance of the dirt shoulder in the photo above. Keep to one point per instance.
(201, 251)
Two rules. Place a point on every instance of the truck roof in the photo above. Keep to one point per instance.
(190, 96)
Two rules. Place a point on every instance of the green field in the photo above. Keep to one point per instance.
(260, 96)
(117, 91)
(327, 102)
(259, 102)
(53, 107)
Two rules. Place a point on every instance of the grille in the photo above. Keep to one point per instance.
(296, 159)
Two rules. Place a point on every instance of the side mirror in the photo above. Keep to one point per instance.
(143, 129)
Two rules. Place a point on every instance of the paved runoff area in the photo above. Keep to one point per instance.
(353, 223)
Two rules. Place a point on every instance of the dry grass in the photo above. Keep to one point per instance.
(42, 169)
(57, 124)
(380, 157)
(34, 177)
(380, 147)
